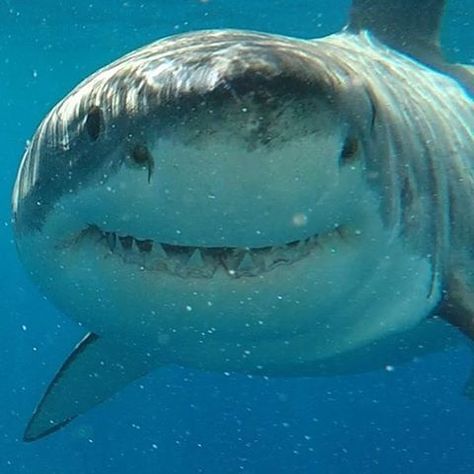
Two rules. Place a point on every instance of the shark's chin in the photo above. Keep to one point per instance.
(188, 261)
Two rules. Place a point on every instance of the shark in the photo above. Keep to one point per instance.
(245, 202)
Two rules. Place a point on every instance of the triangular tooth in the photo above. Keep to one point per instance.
(196, 260)
(111, 240)
(304, 247)
(159, 251)
(246, 263)
(135, 246)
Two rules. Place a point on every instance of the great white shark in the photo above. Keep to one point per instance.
(239, 201)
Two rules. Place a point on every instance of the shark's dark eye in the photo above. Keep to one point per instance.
(94, 122)
(349, 151)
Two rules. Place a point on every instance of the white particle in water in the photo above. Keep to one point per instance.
(300, 219)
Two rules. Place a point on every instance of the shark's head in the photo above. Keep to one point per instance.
(211, 183)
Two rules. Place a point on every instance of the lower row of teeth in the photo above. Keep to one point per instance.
(202, 262)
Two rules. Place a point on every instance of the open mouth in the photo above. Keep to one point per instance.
(203, 262)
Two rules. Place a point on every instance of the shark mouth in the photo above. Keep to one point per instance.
(203, 262)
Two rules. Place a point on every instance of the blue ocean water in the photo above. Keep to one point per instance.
(409, 420)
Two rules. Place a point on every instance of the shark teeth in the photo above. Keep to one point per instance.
(159, 251)
(203, 262)
(196, 260)
(111, 240)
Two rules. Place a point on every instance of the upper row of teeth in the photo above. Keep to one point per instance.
(201, 261)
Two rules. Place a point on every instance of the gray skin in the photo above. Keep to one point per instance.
(377, 151)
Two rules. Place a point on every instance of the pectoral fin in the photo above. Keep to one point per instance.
(95, 370)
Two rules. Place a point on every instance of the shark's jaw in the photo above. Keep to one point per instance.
(188, 261)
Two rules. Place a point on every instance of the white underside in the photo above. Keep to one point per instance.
(313, 309)
(327, 304)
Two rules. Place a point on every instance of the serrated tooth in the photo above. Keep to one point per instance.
(246, 264)
(135, 247)
(267, 261)
(159, 259)
(111, 240)
(303, 248)
(159, 251)
(196, 260)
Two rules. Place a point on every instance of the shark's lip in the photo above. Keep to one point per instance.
(203, 262)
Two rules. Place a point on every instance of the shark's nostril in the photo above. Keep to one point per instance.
(141, 156)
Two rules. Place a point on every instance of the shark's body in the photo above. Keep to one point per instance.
(239, 201)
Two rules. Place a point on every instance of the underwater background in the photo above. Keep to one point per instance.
(412, 419)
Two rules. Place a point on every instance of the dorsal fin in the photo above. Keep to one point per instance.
(411, 26)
